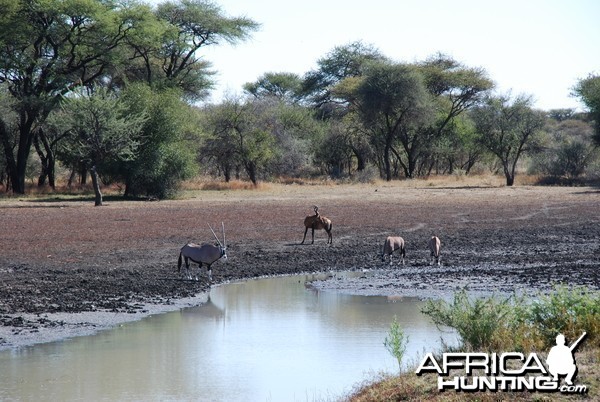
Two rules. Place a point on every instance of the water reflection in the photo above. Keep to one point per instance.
(268, 339)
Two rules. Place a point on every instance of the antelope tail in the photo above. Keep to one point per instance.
(179, 263)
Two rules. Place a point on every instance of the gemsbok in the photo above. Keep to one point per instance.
(435, 247)
(393, 243)
(205, 254)
(317, 222)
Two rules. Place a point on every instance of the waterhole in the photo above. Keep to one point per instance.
(274, 339)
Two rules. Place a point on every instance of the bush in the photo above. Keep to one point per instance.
(567, 311)
(396, 342)
(370, 174)
(518, 324)
(475, 319)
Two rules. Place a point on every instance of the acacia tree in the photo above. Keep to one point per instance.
(318, 90)
(588, 90)
(286, 87)
(166, 50)
(411, 108)
(47, 49)
(391, 100)
(570, 148)
(508, 129)
(454, 88)
(167, 151)
(237, 137)
(101, 128)
(340, 63)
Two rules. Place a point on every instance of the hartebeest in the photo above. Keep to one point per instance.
(317, 222)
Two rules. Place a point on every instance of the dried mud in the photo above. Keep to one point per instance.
(66, 259)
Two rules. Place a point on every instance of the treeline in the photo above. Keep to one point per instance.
(111, 90)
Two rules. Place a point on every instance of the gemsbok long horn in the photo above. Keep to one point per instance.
(213, 232)
(224, 242)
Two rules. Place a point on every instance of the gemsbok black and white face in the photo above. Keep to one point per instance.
(205, 254)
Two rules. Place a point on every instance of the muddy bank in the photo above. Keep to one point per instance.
(442, 282)
(66, 267)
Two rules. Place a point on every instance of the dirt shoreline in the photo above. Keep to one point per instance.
(68, 268)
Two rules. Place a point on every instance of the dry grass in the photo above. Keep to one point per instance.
(442, 181)
(190, 188)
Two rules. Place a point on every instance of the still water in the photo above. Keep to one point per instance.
(262, 340)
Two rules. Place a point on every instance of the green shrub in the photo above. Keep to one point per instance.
(396, 342)
(567, 311)
(520, 324)
(475, 319)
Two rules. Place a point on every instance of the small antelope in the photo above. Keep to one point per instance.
(317, 222)
(392, 244)
(202, 254)
(434, 247)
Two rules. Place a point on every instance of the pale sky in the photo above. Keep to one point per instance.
(534, 47)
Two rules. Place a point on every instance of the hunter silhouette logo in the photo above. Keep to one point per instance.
(508, 371)
(560, 360)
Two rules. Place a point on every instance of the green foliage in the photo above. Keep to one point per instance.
(99, 128)
(520, 324)
(48, 49)
(53, 47)
(333, 151)
(569, 311)
(168, 148)
(409, 110)
(239, 138)
(188, 26)
(475, 319)
(284, 86)
(569, 150)
(99, 131)
(391, 100)
(339, 64)
(259, 136)
(588, 90)
(395, 342)
(508, 129)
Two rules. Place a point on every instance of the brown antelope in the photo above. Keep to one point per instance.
(434, 247)
(202, 254)
(317, 222)
(392, 244)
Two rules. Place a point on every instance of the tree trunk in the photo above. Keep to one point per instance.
(96, 184)
(82, 173)
(510, 175)
(43, 160)
(50, 160)
(11, 164)
(20, 170)
(387, 163)
(71, 177)
(227, 173)
(361, 161)
(26, 119)
(251, 170)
